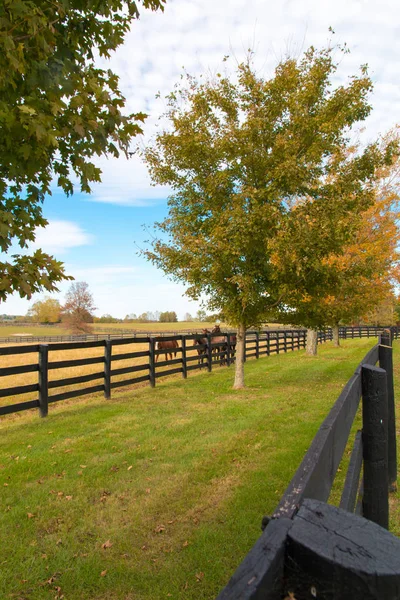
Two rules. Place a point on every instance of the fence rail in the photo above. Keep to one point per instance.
(311, 549)
(187, 357)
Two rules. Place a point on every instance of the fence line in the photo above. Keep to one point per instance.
(187, 357)
(311, 549)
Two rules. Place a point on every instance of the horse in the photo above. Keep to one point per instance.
(167, 345)
(203, 350)
(223, 344)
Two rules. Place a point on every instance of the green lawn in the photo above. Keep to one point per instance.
(158, 493)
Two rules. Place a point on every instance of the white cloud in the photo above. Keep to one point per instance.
(60, 236)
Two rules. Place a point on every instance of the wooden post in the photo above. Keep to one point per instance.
(268, 343)
(257, 344)
(43, 380)
(107, 369)
(228, 349)
(209, 352)
(244, 346)
(184, 365)
(386, 363)
(375, 446)
(152, 362)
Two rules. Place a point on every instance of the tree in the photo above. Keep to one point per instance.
(78, 309)
(169, 316)
(45, 311)
(57, 110)
(357, 279)
(188, 317)
(247, 158)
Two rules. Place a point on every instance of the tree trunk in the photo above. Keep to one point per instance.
(239, 363)
(335, 335)
(311, 346)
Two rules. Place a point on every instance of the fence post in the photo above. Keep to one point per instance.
(43, 380)
(257, 344)
(228, 349)
(244, 346)
(152, 363)
(386, 363)
(184, 365)
(375, 447)
(268, 343)
(209, 353)
(285, 341)
(107, 369)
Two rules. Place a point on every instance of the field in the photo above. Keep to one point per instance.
(159, 493)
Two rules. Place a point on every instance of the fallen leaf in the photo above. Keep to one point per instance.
(29, 446)
(6, 485)
(148, 490)
(185, 544)
(69, 450)
(60, 494)
(30, 515)
(82, 466)
(106, 545)
(68, 497)
(103, 573)
(199, 576)
(58, 542)
(129, 468)
(159, 528)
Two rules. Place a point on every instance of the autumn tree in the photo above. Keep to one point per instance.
(45, 311)
(346, 285)
(78, 309)
(57, 110)
(244, 158)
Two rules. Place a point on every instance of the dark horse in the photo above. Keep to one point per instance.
(202, 347)
(167, 345)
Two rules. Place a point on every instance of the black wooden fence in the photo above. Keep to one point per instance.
(310, 549)
(186, 358)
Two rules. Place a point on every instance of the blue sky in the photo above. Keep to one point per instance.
(96, 236)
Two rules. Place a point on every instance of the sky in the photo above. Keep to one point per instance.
(99, 236)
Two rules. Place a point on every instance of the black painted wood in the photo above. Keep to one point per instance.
(13, 408)
(5, 371)
(132, 369)
(184, 357)
(375, 446)
(351, 484)
(209, 353)
(335, 555)
(76, 345)
(77, 362)
(43, 380)
(386, 363)
(260, 575)
(107, 369)
(75, 393)
(20, 389)
(132, 381)
(75, 380)
(129, 355)
(152, 362)
(18, 350)
(169, 372)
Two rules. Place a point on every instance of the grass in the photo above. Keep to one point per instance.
(158, 493)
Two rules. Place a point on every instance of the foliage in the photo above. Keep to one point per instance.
(362, 275)
(78, 308)
(253, 162)
(57, 110)
(168, 316)
(106, 319)
(45, 311)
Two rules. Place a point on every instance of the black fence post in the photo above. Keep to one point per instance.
(244, 346)
(184, 364)
(375, 446)
(152, 362)
(386, 363)
(285, 341)
(107, 369)
(257, 344)
(228, 349)
(43, 380)
(209, 352)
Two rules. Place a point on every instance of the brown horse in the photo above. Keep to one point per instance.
(167, 345)
(223, 344)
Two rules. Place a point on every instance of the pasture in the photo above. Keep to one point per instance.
(159, 493)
